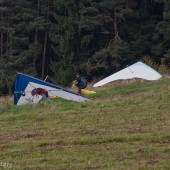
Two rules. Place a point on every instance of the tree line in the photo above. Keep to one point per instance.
(94, 37)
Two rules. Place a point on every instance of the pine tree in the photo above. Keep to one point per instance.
(6, 43)
(95, 37)
(161, 47)
(112, 49)
(44, 53)
(17, 53)
(65, 38)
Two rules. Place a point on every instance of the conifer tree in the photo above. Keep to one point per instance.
(95, 37)
(65, 38)
(112, 48)
(161, 47)
(17, 53)
(6, 43)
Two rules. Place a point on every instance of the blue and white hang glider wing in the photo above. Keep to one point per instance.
(137, 70)
(25, 84)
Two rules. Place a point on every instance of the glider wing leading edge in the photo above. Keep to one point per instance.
(137, 70)
(25, 84)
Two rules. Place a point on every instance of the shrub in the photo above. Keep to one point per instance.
(161, 68)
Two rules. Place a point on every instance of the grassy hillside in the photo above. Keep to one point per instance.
(122, 127)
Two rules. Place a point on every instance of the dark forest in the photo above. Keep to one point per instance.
(94, 37)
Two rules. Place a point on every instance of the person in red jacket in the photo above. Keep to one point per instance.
(40, 91)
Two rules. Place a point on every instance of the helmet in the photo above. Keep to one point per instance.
(77, 76)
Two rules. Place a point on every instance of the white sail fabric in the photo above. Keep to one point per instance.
(137, 70)
(25, 84)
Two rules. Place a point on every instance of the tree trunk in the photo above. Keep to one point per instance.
(36, 36)
(10, 44)
(35, 54)
(116, 38)
(77, 51)
(114, 22)
(7, 43)
(10, 90)
(116, 35)
(145, 5)
(44, 53)
(45, 42)
(2, 39)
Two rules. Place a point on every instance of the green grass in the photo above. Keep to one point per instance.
(122, 127)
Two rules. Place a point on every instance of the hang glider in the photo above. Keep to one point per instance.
(137, 70)
(30, 90)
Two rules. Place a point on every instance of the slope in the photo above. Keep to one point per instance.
(123, 127)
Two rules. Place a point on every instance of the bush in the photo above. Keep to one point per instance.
(161, 68)
(3, 87)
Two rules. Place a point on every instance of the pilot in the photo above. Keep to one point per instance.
(80, 82)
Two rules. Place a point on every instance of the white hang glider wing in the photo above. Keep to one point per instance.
(137, 70)
(25, 84)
